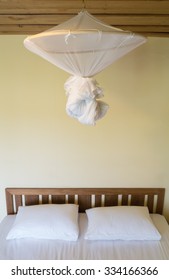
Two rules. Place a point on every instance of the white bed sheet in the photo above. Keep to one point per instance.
(34, 249)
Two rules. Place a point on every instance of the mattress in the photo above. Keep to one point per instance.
(35, 249)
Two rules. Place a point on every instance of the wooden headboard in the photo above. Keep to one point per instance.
(153, 198)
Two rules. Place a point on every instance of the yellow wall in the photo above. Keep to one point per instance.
(41, 146)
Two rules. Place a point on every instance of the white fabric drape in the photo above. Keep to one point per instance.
(83, 103)
(83, 46)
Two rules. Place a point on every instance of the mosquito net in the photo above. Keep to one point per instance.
(83, 46)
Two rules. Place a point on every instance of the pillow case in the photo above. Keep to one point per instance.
(120, 223)
(48, 221)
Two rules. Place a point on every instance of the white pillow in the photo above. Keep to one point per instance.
(48, 221)
(120, 223)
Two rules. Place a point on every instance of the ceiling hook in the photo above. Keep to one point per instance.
(84, 5)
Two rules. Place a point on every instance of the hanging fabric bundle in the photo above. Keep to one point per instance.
(82, 100)
(83, 46)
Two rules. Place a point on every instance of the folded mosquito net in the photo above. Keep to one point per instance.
(83, 46)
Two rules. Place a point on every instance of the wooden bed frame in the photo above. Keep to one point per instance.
(153, 198)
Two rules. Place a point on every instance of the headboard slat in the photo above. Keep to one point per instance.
(18, 201)
(84, 202)
(150, 202)
(98, 200)
(124, 199)
(45, 199)
(160, 203)
(31, 199)
(71, 199)
(58, 199)
(9, 202)
(137, 200)
(111, 200)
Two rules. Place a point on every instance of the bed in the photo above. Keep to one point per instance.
(84, 249)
